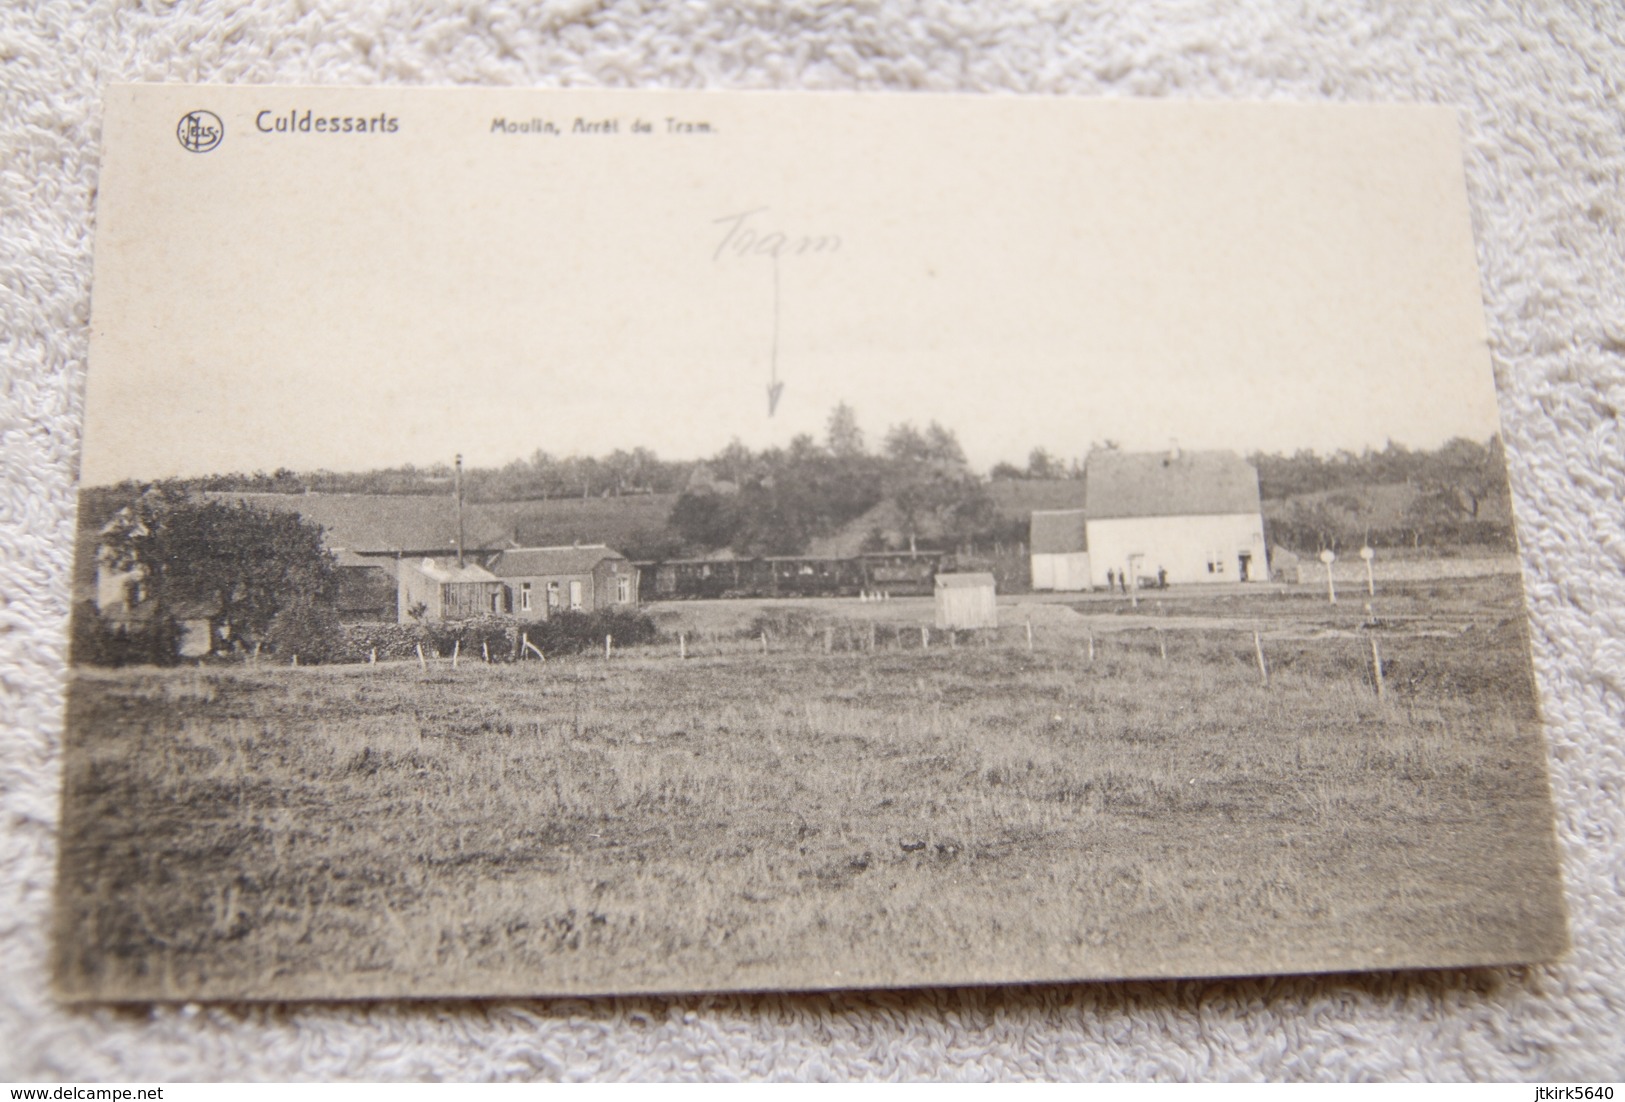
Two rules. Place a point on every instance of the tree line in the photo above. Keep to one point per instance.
(1456, 495)
(781, 500)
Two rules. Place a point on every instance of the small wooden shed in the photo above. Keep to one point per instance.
(966, 601)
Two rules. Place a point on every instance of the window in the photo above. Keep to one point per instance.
(524, 596)
(552, 594)
(623, 589)
(1215, 562)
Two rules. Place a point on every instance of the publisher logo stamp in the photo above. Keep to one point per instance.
(200, 131)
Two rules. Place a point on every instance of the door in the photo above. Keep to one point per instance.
(575, 595)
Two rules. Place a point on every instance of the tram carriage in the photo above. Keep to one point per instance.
(898, 573)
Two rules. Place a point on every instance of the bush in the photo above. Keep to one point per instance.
(497, 633)
(564, 633)
(309, 630)
(782, 623)
(573, 632)
(389, 640)
(94, 641)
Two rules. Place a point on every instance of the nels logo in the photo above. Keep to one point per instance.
(200, 131)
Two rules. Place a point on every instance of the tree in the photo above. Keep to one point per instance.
(1041, 464)
(238, 564)
(735, 462)
(1473, 471)
(943, 445)
(705, 520)
(907, 444)
(307, 630)
(929, 481)
(843, 437)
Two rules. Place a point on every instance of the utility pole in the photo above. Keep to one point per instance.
(457, 482)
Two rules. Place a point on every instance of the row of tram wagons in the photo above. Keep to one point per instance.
(894, 573)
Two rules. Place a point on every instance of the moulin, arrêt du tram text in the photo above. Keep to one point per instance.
(669, 125)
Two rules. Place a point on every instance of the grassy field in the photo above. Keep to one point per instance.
(806, 818)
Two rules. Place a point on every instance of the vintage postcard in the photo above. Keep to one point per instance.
(540, 542)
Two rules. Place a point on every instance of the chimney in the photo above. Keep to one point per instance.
(457, 482)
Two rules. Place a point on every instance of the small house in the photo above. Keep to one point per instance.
(1059, 540)
(1178, 517)
(544, 580)
(966, 601)
(439, 589)
(124, 602)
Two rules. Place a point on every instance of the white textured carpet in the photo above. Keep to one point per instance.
(1540, 91)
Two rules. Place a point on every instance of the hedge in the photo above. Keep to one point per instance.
(567, 632)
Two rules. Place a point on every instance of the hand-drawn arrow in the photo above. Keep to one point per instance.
(774, 388)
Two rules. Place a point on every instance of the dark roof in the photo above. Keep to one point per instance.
(447, 570)
(426, 524)
(1017, 497)
(1169, 484)
(1058, 532)
(383, 522)
(525, 561)
(964, 581)
(351, 559)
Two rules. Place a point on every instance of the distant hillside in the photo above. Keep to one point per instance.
(1384, 506)
(1394, 515)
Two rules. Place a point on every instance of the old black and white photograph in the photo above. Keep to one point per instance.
(591, 543)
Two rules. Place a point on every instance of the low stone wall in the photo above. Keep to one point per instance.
(1350, 569)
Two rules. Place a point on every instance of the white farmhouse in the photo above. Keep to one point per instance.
(1182, 516)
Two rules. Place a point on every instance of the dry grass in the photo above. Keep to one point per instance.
(803, 819)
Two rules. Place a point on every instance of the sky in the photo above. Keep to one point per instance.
(1027, 272)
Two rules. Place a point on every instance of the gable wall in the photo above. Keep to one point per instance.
(1181, 545)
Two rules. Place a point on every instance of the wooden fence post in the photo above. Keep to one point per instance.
(609, 642)
(764, 640)
(1091, 644)
(1258, 649)
(1029, 634)
(456, 649)
(925, 637)
(1376, 667)
(1162, 644)
(423, 662)
(682, 647)
(372, 659)
(485, 649)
